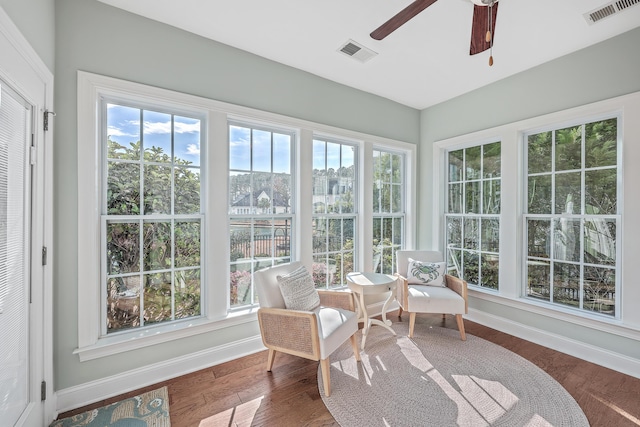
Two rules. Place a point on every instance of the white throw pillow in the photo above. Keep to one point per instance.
(298, 290)
(426, 273)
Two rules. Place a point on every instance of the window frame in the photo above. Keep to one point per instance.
(142, 218)
(458, 267)
(510, 295)
(379, 266)
(256, 216)
(327, 216)
(582, 216)
(218, 114)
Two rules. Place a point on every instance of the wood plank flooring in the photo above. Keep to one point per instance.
(242, 393)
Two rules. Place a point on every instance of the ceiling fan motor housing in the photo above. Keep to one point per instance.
(484, 2)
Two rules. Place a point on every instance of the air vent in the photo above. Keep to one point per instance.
(608, 10)
(357, 51)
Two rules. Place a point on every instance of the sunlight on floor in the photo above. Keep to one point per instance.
(480, 402)
(240, 415)
(618, 409)
(538, 421)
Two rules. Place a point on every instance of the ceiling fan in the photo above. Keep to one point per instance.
(482, 29)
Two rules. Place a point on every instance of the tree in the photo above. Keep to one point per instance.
(128, 195)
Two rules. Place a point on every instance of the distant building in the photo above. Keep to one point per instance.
(260, 202)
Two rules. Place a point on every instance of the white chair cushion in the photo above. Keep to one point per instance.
(335, 326)
(434, 299)
(298, 290)
(426, 273)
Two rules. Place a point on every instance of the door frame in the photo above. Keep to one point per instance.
(19, 68)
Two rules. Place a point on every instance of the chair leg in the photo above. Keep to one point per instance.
(325, 367)
(412, 323)
(461, 326)
(270, 358)
(400, 311)
(354, 344)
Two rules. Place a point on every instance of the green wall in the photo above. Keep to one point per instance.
(599, 72)
(602, 71)
(94, 37)
(35, 20)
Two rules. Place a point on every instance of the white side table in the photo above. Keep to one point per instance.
(363, 284)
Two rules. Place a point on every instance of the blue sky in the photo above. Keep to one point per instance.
(332, 155)
(240, 148)
(123, 125)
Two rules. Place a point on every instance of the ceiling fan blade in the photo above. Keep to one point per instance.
(400, 18)
(480, 26)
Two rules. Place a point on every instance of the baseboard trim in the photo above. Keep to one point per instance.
(608, 359)
(94, 391)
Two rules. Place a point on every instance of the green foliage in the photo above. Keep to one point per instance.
(126, 194)
(588, 151)
(387, 182)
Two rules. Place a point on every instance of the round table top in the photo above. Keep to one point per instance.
(370, 281)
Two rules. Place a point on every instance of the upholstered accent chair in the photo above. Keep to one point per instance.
(447, 297)
(313, 334)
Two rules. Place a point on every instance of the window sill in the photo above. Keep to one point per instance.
(110, 345)
(599, 323)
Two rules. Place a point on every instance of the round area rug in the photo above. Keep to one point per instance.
(436, 379)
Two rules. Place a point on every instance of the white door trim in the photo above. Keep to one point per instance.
(20, 67)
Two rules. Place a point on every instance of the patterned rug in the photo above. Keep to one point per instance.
(436, 379)
(150, 409)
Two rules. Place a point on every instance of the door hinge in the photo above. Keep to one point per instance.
(45, 119)
(44, 255)
(43, 391)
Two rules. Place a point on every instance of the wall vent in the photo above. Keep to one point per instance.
(608, 9)
(357, 51)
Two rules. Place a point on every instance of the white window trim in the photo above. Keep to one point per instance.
(582, 216)
(357, 206)
(90, 88)
(511, 250)
(248, 215)
(404, 213)
(464, 215)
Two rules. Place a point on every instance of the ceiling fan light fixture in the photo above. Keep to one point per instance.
(484, 2)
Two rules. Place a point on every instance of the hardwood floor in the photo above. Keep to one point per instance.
(242, 393)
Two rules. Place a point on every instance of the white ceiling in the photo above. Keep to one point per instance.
(423, 63)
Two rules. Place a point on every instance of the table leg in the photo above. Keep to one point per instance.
(386, 323)
(364, 318)
(384, 310)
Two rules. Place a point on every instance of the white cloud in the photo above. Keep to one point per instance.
(114, 131)
(157, 127)
(187, 128)
(165, 127)
(193, 149)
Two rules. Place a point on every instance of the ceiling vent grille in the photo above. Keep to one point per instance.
(357, 51)
(608, 9)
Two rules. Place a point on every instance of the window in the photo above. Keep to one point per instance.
(176, 173)
(260, 204)
(472, 216)
(334, 212)
(151, 216)
(388, 209)
(572, 216)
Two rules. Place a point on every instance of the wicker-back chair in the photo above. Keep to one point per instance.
(450, 299)
(310, 334)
